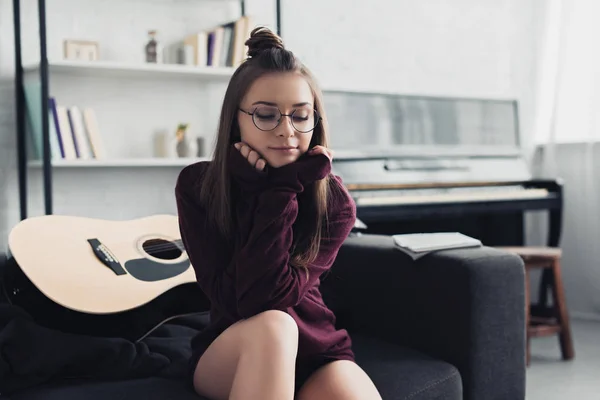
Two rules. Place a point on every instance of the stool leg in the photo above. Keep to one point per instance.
(545, 284)
(527, 317)
(566, 341)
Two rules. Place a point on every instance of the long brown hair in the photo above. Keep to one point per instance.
(266, 54)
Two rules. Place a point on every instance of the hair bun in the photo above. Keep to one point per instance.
(262, 39)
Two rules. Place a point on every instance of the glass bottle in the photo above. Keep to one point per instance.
(152, 48)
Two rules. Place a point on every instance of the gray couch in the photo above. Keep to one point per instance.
(448, 326)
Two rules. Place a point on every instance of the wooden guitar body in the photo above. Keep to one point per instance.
(105, 278)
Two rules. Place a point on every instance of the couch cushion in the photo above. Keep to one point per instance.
(398, 373)
(402, 374)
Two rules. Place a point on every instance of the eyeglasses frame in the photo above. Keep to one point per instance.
(319, 119)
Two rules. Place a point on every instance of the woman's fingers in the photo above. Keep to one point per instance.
(261, 164)
(252, 156)
(245, 151)
(321, 150)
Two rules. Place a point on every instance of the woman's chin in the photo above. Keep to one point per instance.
(278, 162)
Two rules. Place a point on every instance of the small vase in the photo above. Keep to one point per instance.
(183, 146)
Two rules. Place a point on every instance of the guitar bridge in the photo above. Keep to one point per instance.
(106, 257)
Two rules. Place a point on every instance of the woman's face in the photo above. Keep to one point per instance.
(279, 143)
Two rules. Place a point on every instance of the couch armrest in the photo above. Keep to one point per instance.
(3, 261)
(463, 306)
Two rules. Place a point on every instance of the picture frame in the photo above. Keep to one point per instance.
(81, 50)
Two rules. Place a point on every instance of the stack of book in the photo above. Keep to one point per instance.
(73, 132)
(222, 46)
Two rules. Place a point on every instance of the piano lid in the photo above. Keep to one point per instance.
(385, 139)
(372, 173)
(366, 124)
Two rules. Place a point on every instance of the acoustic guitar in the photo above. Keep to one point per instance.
(101, 277)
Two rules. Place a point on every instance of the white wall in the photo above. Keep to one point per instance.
(481, 48)
(577, 164)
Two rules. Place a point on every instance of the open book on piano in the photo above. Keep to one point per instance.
(416, 245)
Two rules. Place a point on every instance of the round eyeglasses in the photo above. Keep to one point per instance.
(267, 118)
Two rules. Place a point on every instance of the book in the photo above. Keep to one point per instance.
(66, 136)
(416, 245)
(93, 133)
(80, 136)
(33, 122)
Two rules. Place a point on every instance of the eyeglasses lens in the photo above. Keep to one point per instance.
(267, 118)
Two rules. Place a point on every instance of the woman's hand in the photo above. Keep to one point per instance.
(321, 150)
(251, 155)
(315, 165)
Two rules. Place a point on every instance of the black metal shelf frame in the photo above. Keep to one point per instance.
(20, 104)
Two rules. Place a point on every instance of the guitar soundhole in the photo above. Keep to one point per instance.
(162, 249)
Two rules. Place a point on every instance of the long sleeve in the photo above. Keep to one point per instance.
(208, 252)
(264, 277)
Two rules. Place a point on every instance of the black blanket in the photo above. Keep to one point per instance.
(31, 354)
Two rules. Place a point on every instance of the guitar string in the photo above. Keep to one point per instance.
(174, 243)
(163, 247)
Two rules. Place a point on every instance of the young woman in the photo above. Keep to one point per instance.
(261, 223)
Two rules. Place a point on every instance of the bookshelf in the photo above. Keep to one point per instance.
(123, 78)
(131, 70)
(122, 162)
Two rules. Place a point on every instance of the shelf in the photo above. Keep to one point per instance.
(117, 69)
(120, 162)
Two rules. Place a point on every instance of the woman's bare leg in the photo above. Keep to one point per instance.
(252, 359)
(339, 380)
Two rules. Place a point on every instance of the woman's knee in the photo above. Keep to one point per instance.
(274, 327)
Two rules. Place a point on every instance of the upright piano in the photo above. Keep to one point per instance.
(426, 164)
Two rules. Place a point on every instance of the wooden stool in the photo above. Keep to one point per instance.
(542, 320)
